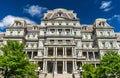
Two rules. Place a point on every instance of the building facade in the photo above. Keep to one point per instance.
(60, 44)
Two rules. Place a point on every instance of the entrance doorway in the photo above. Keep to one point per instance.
(59, 67)
(50, 67)
(40, 64)
(69, 67)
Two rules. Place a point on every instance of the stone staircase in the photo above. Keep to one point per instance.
(59, 76)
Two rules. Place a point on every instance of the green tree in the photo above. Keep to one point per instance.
(88, 71)
(110, 65)
(14, 62)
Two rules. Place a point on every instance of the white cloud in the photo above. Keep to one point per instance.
(106, 5)
(35, 10)
(107, 9)
(116, 18)
(9, 19)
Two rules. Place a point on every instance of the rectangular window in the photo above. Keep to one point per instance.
(74, 33)
(52, 41)
(52, 30)
(44, 33)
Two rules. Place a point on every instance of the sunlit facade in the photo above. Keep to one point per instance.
(60, 44)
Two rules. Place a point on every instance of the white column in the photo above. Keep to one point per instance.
(32, 55)
(63, 66)
(47, 51)
(73, 65)
(87, 55)
(63, 51)
(66, 66)
(54, 52)
(93, 55)
(55, 67)
(44, 66)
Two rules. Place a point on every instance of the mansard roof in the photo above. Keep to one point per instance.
(60, 13)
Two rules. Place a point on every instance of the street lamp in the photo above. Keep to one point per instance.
(81, 71)
(39, 71)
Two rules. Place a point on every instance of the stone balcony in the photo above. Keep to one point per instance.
(13, 36)
(31, 39)
(34, 48)
(59, 43)
(106, 36)
(59, 35)
(109, 48)
(81, 57)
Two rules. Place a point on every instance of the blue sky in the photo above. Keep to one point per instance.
(33, 10)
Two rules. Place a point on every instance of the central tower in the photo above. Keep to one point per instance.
(59, 34)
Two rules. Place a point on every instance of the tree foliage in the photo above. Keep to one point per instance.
(89, 71)
(14, 61)
(109, 66)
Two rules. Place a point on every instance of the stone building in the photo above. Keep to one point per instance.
(60, 44)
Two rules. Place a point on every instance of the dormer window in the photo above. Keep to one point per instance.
(60, 31)
(59, 41)
(51, 41)
(52, 30)
(18, 23)
(84, 28)
(60, 14)
(67, 31)
(102, 24)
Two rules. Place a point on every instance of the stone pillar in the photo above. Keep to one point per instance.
(54, 52)
(55, 70)
(47, 51)
(44, 66)
(63, 51)
(73, 62)
(65, 66)
(32, 55)
(75, 65)
(87, 55)
(93, 55)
